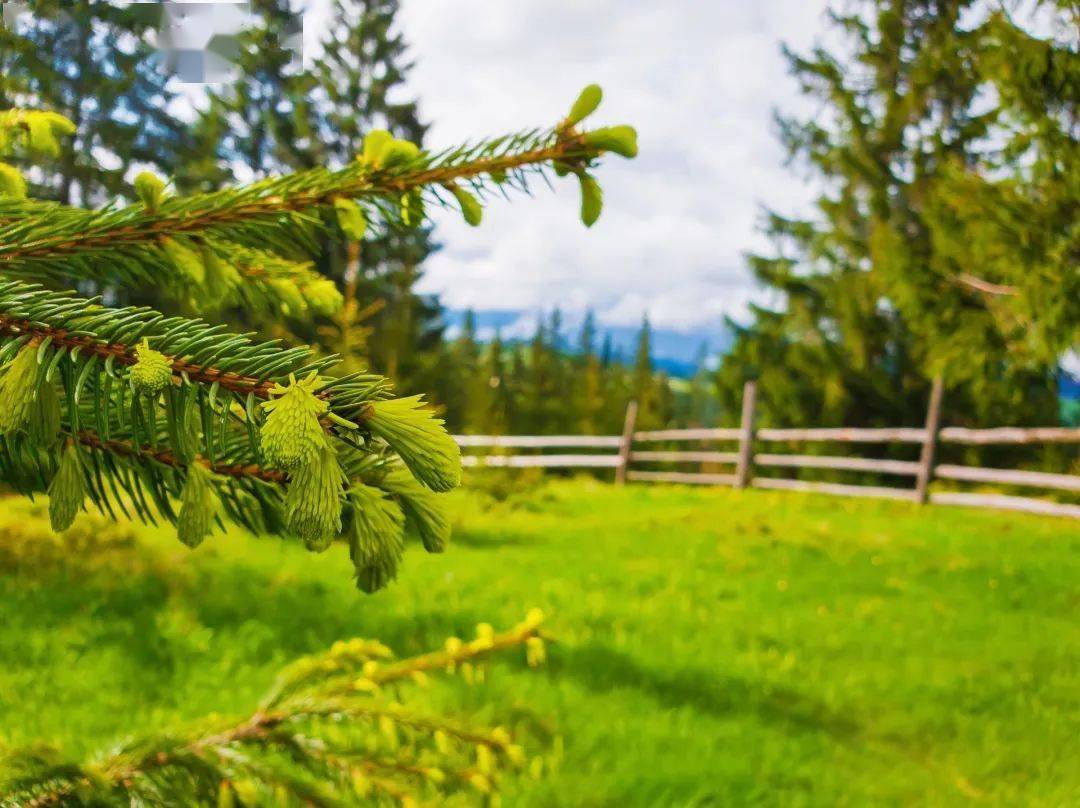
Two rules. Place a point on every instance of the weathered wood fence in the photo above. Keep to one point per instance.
(626, 454)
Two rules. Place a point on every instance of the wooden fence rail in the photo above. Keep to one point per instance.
(743, 459)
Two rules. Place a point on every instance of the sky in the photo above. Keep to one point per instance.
(698, 78)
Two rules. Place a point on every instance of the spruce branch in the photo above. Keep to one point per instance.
(328, 733)
(283, 213)
(132, 410)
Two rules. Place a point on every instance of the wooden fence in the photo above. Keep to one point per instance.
(627, 453)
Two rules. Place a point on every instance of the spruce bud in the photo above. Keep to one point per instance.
(185, 260)
(41, 138)
(423, 509)
(18, 388)
(375, 528)
(45, 419)
(12, 183)
(323, 297)
(152, 370)
(412, 208)
(150, 189)
(199, 505)
(375, 142)
(67, 490)
(399, 152)
(619, 139)
(413, 431)
(350, 218)
(222, 279)
(592, 199)
(585, 105)
(313, 500)
(292, 435)
(471, 210)
(288, 296)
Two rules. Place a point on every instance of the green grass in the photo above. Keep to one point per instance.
(716, 647)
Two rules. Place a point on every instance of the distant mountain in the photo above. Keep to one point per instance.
(674, 351)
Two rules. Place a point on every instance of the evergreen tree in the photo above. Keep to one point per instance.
(875, 306)
(1005, 222)
(590, 396)
(499, 410)
(89, 62)
(644, 388)
(700, 408)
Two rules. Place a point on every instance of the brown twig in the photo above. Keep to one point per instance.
(986, 287)
(168, 458)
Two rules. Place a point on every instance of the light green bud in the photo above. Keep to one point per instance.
(424, 509)
(150, 189)
(350, 218)
(292, 435)
(67, 489)
(323, 297)
(421, 440)
(412, 208)
(314, 499)
(199, 504)
(187, 261)
(43, 128)
(222, 279)
(619, 139)
(41, 139)
(288, 296)
(399, 152)
(375, 142)
(592, 199)
(375, 529)
(45, 417)
(471, 210)
(585, 105)
(12, 182)
(18, 390)
(152, 370)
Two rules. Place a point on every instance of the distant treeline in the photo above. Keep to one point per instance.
(551, 385)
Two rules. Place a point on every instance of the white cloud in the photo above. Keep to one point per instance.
(699, 80)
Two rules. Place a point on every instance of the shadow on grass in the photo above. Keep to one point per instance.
(146, 618)
(603, 669)
(485, 539)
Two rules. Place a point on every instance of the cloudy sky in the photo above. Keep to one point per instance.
(698, 79)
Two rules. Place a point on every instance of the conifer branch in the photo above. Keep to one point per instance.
(282, 212)
(125, 448)
(312, 739)
(137, 411)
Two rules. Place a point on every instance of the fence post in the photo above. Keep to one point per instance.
(746, 436)
(627, 443)
(929, 447)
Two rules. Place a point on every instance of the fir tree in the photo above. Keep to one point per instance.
(589, 379)
(283, 444)
(89, 62)
(875, 305)
(643, 387)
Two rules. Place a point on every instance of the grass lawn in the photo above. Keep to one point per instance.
(716, 647)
